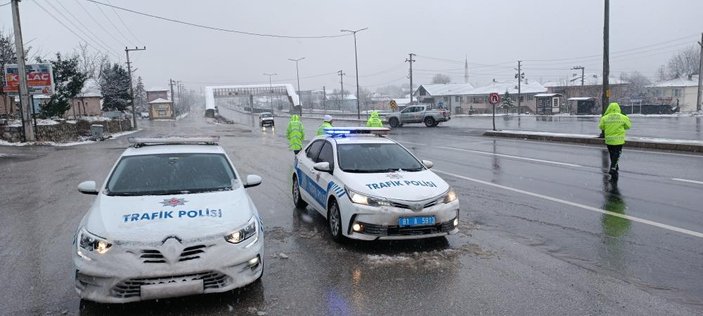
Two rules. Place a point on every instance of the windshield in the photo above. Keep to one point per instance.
(369, 158)
(171, 174)
(265, 115)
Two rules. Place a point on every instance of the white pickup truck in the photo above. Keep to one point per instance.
(419, 113)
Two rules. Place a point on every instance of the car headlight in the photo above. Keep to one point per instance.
(92, 243)
(242, 234)
(359, 198)
(450, 196)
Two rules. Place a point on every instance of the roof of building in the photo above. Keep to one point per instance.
(157, 89)
(581, 98)
(444, 89)
(160, 100)
(588, 80)
(510, 87)
(677, 82)
(91, 88)
(546, 95)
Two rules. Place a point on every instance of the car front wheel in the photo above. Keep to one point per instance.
(334, 222)
(297, 199)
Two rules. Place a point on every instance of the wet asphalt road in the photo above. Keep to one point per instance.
(531, 240)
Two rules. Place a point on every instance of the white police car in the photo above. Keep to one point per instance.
(370, 187)
(172, 219)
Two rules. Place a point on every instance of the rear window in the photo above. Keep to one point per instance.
(171, 174)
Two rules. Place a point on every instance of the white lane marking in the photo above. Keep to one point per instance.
(585, 207)
(687, 180)
(513, 157)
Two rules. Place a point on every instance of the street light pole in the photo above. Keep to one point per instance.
(270, 91)
(297, 75)
(356, 62)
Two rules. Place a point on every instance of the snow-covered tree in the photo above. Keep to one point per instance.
(140, 95)
(638, 83)
(441, 78)
(683, 64)
(507, 101)
(114, 86)
(68, 82)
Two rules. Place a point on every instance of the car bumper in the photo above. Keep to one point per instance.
(383, 223)
(129, 274)
(267, 123)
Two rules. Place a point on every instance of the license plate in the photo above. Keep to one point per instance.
(416, 221)
(173, 289)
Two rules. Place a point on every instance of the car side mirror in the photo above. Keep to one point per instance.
(88, 187)
(322, 166)
(428, 164)
(252, 181)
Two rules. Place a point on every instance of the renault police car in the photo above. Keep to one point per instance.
(172, 219)
(370, 187)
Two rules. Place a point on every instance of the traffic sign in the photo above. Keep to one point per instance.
(394, 105)
(494, 98)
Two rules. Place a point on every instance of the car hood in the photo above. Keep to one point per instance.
(153, 218)
(405, 186)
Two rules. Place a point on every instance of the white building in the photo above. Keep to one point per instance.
(681, 92)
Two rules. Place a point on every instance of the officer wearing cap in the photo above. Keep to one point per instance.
(326, 123)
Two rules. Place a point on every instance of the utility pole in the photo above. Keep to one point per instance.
(519, 76)
(271, 92)
(606, 55)
(356, 62)
(24, 92)
(411, 61)
(131, 90)
(700, 76)
(297, 75)
(341, 82)
(324, 98)
(582, 72)
(171, 82)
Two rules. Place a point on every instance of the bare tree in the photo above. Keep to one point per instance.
(638, 85)
(91, 63)
(683, 64)
(441, 78)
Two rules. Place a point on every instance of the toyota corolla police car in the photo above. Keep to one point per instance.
(172, 219)
(370, 187)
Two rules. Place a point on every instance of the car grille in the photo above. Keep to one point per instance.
(132, 287)
(188, 253)
(395, 230)
(407, 206)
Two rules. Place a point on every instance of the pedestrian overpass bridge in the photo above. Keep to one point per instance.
(213, 93)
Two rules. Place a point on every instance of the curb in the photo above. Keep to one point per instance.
(594, 140)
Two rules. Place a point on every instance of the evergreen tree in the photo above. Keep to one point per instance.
(507, 101)
(68, 82)
(114, 86)
(140, 95)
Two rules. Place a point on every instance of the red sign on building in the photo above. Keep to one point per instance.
(40, 79)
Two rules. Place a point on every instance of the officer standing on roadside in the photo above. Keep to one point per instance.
(295, 134)
(614, 124)
(374, 120)
(326, 122)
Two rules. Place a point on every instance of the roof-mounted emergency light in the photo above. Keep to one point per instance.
(356, 131)
(144, 141)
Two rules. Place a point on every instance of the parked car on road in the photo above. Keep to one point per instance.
(420, 113)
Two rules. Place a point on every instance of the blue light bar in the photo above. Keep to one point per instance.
(356, 131)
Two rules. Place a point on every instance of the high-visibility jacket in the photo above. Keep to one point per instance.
(295, 133)
(374, 120)
(321, 130)
(614, 123)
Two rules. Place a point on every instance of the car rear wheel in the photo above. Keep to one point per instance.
(297, 199)
(334, 222)
(393, 122)
(430, 122)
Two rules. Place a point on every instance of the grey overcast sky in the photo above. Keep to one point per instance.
(551, 36)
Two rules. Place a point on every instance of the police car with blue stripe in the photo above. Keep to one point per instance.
(172, 219)
(370, 187)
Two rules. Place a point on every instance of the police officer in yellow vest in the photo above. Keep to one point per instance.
(326, 122)
(614, 124)
(295, 134)
(374, 120)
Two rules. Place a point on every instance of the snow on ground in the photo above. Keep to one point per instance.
(116, 135)
(182, 116)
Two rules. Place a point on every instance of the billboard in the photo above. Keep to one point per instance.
(40, 79)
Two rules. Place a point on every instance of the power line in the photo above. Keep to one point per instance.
(214, 28)
(113, 24)
(4, 4)
(124, 24)
(84, 30)
(97, 22)
(68, 28)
